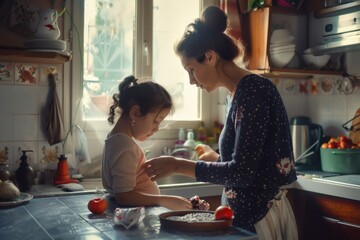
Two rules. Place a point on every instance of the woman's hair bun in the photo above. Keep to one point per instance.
(213, 17)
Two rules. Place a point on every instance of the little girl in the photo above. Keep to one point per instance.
(143, 107)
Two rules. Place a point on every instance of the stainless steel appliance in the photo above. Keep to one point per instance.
(306, 134)
(337, 33)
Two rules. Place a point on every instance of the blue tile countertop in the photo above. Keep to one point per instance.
(67, 217)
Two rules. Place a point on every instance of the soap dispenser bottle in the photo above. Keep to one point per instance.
(181, 139)
(24, 174)
(190, 144)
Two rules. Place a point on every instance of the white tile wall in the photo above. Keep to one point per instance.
(22, 112)
(25, 99)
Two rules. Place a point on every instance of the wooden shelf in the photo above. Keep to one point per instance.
(294, 73)
(28, 56)
(338, 9)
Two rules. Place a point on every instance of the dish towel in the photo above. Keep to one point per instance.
(279, 223)
(54, 124)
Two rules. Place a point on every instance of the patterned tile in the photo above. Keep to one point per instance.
(6, 72)
(26, 73)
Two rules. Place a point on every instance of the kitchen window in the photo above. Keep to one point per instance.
(118, 38)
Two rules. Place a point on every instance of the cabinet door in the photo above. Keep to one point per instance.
(347, 231)
(320, 227)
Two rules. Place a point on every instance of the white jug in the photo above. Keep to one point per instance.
(47, 26)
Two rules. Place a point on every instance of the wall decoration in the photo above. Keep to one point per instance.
(327, 86)
(303, 86)
(276, 82)
(314, 86)
(22, 146)
(4, 155)
(6, 72)
(26, 73)
(45, 70)
(290, 86)
(48, 155)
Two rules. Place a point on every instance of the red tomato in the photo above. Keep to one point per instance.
(342, 139)
(223, 213)
(97, 205)
(332, 145)
(343, 144)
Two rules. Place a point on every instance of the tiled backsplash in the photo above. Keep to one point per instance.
(22, 117)
(24, 91)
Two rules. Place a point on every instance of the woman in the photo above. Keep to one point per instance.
(256, 158)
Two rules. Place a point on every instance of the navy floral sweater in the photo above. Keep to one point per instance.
(256, 156)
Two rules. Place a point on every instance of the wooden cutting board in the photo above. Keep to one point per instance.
(355, 135)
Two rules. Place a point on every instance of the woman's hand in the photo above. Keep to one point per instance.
(160, 167)
(206, 153)
(164, 166)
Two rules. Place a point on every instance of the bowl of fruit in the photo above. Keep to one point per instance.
(340, 155)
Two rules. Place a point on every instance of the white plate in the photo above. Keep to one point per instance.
(65, 53)
(22, 198)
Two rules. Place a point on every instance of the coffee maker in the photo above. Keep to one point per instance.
(306, 140)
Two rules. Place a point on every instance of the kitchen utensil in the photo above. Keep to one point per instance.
(354, 130)
(342, 161)
(47, 26)
(306, 154)
(306, 136)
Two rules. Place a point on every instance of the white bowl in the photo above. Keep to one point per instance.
(280, 35)
(281, 48)
(281, 59)
(282, 43)
(315, 62)
(281, 51)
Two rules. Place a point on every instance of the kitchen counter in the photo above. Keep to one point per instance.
(67, 217)
(53, 212)
(344, 186)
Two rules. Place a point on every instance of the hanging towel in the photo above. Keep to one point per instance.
(54, 122)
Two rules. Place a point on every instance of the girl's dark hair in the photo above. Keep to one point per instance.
(208, 33)
(150, 96)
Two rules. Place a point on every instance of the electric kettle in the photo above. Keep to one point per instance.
(306, 139)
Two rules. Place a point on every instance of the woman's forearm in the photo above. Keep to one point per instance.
(185, 167)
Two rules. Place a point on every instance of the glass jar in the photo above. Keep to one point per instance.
(4, 171)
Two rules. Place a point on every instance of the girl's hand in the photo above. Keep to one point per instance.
(206, 153)
(175, 203)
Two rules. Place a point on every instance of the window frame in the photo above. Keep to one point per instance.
(73, 27)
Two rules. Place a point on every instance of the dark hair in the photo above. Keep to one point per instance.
(150, 96)
(208, 33)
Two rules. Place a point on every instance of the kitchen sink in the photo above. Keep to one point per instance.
(175, 179)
